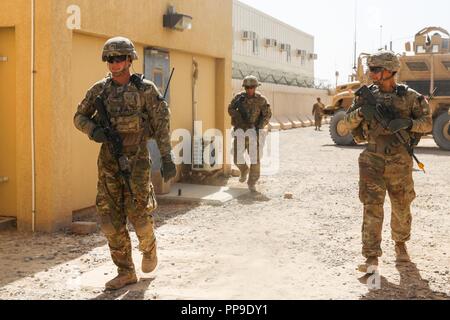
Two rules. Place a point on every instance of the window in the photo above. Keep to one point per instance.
(255, 46)
(417, 66)
(435, 48)
(445, 43)
(420, 49)
(158, 78)
(288, 51)
(446, 64)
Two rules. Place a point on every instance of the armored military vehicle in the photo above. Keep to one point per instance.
(425, 67)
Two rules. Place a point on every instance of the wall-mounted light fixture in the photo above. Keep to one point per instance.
(3, 59)
(177, 21)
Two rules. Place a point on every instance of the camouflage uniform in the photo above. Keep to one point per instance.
(259, 113)
(137, 113)
(318, 114)
(387, 166)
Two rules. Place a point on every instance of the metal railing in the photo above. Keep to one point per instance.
(267, 75)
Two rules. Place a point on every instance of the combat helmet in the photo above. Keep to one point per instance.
(386, 59)
(250, 81)
(119, 46)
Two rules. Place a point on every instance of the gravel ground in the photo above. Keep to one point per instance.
(258, 247)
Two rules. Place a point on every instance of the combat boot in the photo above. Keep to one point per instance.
(370, 266)
(122, 280)
(252, 188)
(401, 252)
(244, 175)
(149, 261)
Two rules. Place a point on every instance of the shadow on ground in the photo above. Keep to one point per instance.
(411, 287)
(132, 292)
(252, 198)
(24, 254)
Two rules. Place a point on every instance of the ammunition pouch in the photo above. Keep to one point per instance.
(130, 128)
(386, 145)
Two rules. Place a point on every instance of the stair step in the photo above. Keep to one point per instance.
(8, 223)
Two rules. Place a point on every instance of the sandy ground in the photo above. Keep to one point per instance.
(257, 247)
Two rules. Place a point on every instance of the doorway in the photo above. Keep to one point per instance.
(8, 176)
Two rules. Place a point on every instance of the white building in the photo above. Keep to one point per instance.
(267, 43)
(281, 56)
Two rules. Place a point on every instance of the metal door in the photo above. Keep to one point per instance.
(157, 70)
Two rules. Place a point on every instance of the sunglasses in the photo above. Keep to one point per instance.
(250, 88)
(116, 59)
(376, 69)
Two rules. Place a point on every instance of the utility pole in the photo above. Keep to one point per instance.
(381, 36)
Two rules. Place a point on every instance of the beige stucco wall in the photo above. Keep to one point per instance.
(67, 64)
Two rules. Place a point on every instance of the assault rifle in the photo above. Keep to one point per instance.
(240, 108)
(115, 144)
(365, 93)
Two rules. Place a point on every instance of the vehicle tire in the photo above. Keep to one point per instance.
(440, 131)
(339, 131)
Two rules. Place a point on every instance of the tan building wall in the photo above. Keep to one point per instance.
(68, 63)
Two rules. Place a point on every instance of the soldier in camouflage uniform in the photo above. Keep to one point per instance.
(137, 112)
(317, 112)
(250, 112)
(386, 165)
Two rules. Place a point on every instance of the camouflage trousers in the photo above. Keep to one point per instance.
(252, 148)
(378, 174)
(318, 120)
(115, 206)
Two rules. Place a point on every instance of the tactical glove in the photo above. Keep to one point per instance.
(168, 168)
(400, 124)
(98, 135)
(367, 112)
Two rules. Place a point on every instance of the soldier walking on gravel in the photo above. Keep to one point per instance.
(250, 112)
(386, 164)
(136, 112)
(317, 112)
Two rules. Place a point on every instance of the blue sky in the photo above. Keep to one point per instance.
(333, 23)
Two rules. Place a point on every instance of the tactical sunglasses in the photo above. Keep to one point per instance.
(116, 59)
(250, 87)
(376, 69)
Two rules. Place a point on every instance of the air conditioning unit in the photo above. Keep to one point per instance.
(284, 47)
(248, 35)
(201, 149)
(270, 42)
(312, 56)
(301, 53)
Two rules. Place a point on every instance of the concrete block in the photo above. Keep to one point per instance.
(306, 121)
(83, 228)
(285, 123)
(296, 123)
(274, 124)
(210, 195)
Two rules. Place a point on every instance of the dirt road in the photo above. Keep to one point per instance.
(263, 247)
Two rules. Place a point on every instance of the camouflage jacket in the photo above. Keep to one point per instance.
(318, 109)
(258, 110)
(137, 112)
(409, 104)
